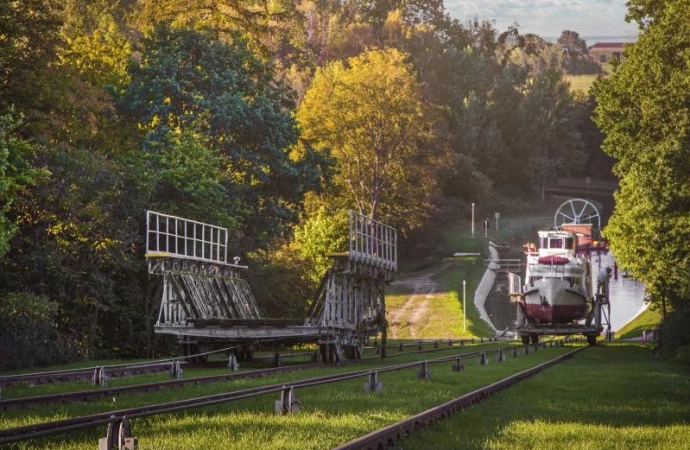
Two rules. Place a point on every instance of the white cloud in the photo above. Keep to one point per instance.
(548, 17)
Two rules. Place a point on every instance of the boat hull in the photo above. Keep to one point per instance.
(555, 301)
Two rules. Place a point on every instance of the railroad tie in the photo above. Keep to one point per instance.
(501, 357)
(424, 372)
(288, 402)
(458, 366)
(373, 384)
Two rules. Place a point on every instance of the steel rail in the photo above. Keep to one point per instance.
(89, 395)
(114, 370)
(387, 436)
(146, 387)
(126, 369)
(81, 374)
(60, 426)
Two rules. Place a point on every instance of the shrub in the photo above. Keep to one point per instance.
(28, 336)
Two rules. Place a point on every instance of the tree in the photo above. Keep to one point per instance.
(193, 90)
(549, 135)
(370, 115)
(30, 31)
(16, 174)
(262, 23)
(644, 109)
(576, 59)
(572, 44)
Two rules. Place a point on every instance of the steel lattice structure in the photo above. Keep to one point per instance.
(203, 296)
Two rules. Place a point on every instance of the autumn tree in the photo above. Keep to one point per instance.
(370, 115)
(644, 110)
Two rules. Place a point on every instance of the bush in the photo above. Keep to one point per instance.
(29, 333)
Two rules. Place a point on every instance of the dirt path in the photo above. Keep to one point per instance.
(415, 308)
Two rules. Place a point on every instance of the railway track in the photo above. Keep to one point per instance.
(386, 437)
(94, 394)
(121, 417)
(89, 373)
(167, 365)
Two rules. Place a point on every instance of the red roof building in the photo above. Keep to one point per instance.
(603, 52)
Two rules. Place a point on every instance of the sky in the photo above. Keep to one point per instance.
(548, 18)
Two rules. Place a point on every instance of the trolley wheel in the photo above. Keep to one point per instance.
(534, 337)
(591, 339)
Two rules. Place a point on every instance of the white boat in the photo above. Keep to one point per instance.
(558, 281)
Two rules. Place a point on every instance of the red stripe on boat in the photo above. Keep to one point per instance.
(553, 260)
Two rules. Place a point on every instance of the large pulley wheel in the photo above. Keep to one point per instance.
(577, 211)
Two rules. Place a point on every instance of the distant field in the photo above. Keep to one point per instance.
(581, 82)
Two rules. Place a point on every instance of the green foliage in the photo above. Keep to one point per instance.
(674, 335)
(323, 233)
(28, 337)
(95, 42)
(16, 174)
(216, 107)
(576, 59)
(282, 282)
(549, 138)
(643, 109)
(30, 39)
(371, 116)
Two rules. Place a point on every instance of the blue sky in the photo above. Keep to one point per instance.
(548, 18)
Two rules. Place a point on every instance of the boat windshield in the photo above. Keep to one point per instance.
(557, 242)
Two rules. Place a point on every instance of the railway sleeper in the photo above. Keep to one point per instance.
(118, 436)
(288, 402)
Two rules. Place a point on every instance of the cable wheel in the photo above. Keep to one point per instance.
(578, 211)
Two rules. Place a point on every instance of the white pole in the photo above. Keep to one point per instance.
(464, 306)
(472, 219)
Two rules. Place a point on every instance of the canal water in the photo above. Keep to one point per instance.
(626, 295)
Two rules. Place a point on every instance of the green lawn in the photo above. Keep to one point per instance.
(613, 396)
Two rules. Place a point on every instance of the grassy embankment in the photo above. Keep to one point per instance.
(647, 320)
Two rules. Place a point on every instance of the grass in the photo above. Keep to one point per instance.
(613, 396)
(581, 83)
(444, 316)
(330, 414)
(648, 319)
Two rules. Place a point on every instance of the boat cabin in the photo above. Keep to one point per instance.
(557, 243)
(557, 258)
